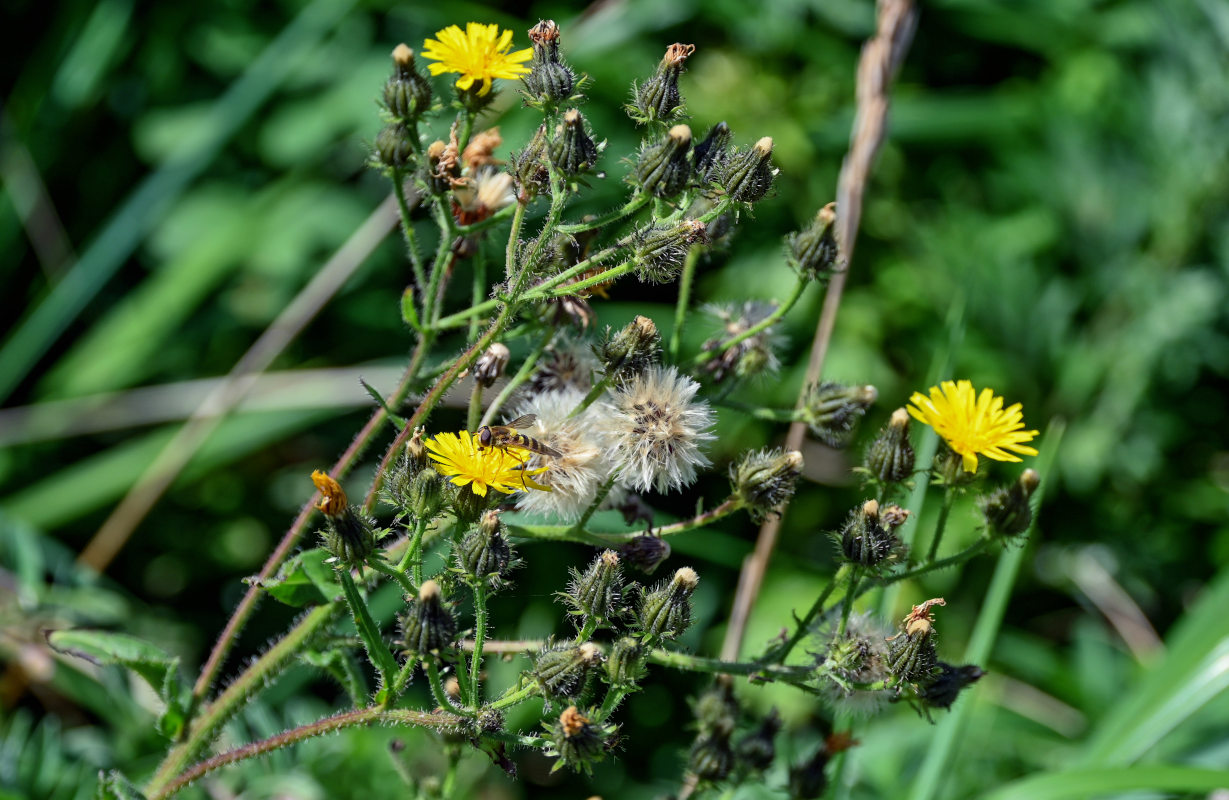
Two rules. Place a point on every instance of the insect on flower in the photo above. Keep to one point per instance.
(505, 436)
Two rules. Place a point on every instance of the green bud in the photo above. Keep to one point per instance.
(550, 80)
(716, 709)
(1007, 509)
(948, 468)
(757, 750)
(597, 594)
(625, 664)
(663, 168)
(946, 684)
(658, 98)
(577, 741)
(764, 480)
(528, 166)
(665, 612)
(645, 552)
(561, 671)
(711, 757)
(394, 148)
(427, 494)
(832, 411)
(407, 94)
(631, 350)
(573, 151)
(710, 155)
(484, 555)
(428, 625)
(911, 653)
(659, 250)
(748, 175)
(890, 458)
(869, 537)
(814, 251)
(349, 537)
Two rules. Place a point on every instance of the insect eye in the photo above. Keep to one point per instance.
(484, 436)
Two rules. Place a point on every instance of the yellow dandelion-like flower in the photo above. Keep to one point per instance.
(479, 53)
(458, 458)
(972, 423)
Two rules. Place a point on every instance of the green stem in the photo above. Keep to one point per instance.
(675, 660)
(963, 555)
(768, 321)
(611, 701)
(413, 554)
(591, 397)
(514, 697)
(368, 631)
(467, 129)
(757, 412)
(855, 575)
(397, 574)
(544, 292)
(475, 408)
(632, 206)
(407, 230)
(684, 300)
(437, 687)
(449, 786)
(482, 224)
(514, 240)
(389, 694)
(804, 624)
(480, 617)
(949, 496)
(586, 630)
(478, 291)
(598, 498)
(520, 377)
(727, 508)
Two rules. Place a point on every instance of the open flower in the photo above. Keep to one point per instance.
(479, 53)
(458, 458)
(973, 424)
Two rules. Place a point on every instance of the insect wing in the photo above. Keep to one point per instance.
(523, 421)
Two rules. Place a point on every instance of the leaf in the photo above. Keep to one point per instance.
(396, 419)
(305, 580)
(1080, 784)
(114, 786)
(408, 312)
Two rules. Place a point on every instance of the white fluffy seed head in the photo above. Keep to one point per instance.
(576, 475)
(655, 428)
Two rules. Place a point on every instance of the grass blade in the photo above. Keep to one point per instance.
(1101, 782)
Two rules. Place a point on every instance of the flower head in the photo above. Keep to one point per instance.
(656, 429)
(332, 496)
(479, 53)
(973, 424)
(458, 458)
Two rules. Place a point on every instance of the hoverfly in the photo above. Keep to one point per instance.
(505, 436)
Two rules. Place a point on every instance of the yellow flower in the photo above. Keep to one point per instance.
(973, 424)
(479, 54)
(458, 458)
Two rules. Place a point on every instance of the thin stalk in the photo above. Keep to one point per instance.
(514, 239)
(804, 624)
(519, 378)
(478, 290)
(543, 293)
(368, 631)
(684, 300)
(475, 407)
(396, 574)
(757, 412)
(514, 697)
(389, 694)
(443, 253)
(676, 660)
(632, 206)
(480, 618)
(596, 391)
(772, 319)
(586, 630)
(449, 786)
(727, 508)
(949, 496)
(437, 687)
(490, 222)
(855, 575)
(598, 498)
(610, 702)
(950, 561)
(407, 230)
(413, 554)
(467, 129)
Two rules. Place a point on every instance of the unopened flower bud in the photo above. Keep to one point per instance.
(808, 780)
(948, 468)
(664, 167)
(394, 148)
(832, 411)
(764, 481)
(407, 94)
(716, 708)
(631, 350)
(867, 541)
(550, 80)
(1007, 509)
(645, 552)
(491, 364)
(347, 535)
(758, 749)
(573, 151)
(814, 251)
(748, 175)
(711, 757)
(577, 741)
(665, 612)
(561, 671)
(484, 554)
(658, 98)
(427, 625)
(710, 155)
(659, 250)
(528, 166)
(890, 458)
(911, 653)
(596, 594)
(946, 684)
(625, 664)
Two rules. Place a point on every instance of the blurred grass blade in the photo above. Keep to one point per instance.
(1194, 670)
(938, 755)
(1082, 784)
(125, 230)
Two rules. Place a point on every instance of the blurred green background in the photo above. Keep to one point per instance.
(1056, 182)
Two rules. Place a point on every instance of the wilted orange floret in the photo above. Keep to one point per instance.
(332, 497)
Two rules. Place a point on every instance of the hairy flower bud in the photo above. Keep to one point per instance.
(407, 94)
(347, 535)
(890, 458)
(868, 539)
(595, 595)
(814, 251)
(573, 151)
(625, 664)
(528, 166)
(911, 653)
(711, 757)
(561, 671)
(716, 708)
(427, 625)
(832, 410)
(659, 250)
(484, 554)
(658, 98)
(550, 80)
(630, 350)
(808, 780)
(665, 612)
(663, 168)
(710, 155)
(757, 750)
(946, 684)
(645, 552)
(491, 364)
(394, 147)
(763, 481)
(577, 741)
(1007, 509)
(748, 175)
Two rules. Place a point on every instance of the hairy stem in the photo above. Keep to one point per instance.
(804, 625)
(772, 319)
(519, 378)
(684, 300)
(633, 205)
(949, 496)
(368, 631)
(407, 230)
(480, 616)
(475, 408)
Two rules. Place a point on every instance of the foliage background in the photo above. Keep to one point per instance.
(1056, 179)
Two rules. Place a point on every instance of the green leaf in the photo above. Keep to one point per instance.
(305, 580)
(396, 419)
(114, 786)
(408, 312)
(1080, 784)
